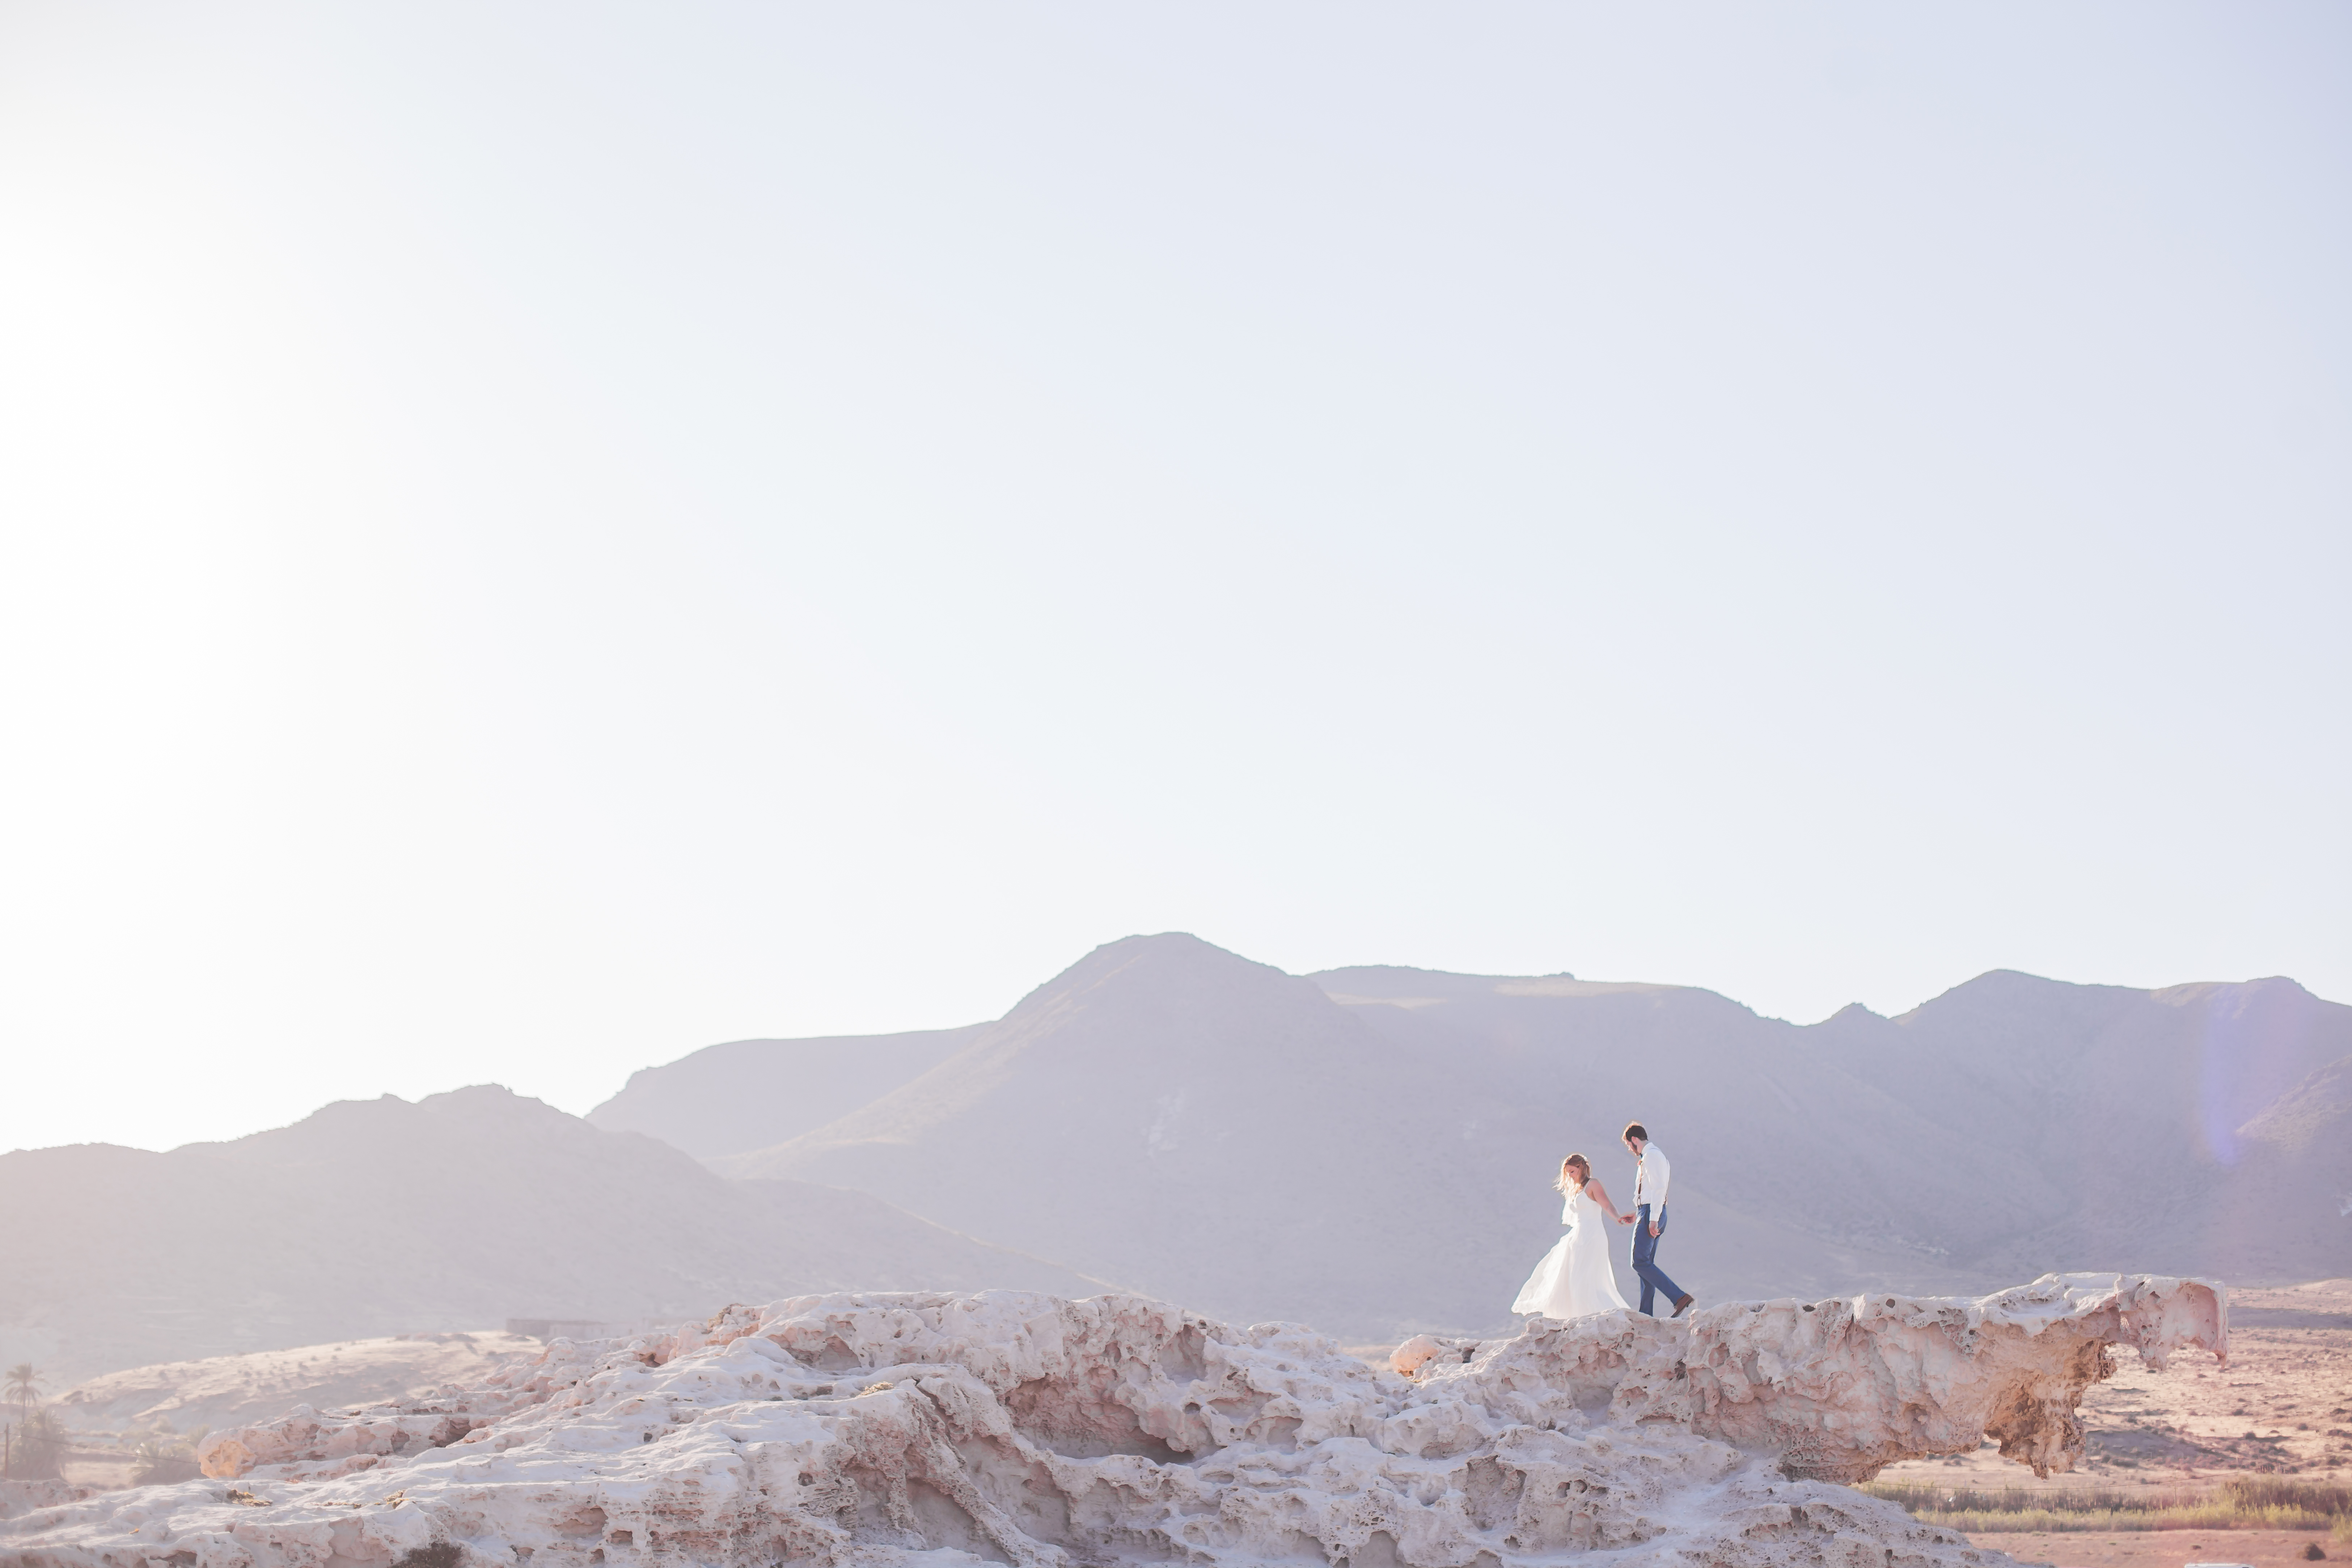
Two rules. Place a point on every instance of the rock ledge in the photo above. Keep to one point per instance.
(1008, 1426)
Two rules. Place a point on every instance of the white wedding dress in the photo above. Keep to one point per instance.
(1575, 1279)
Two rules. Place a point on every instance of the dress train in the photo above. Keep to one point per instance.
(1575, 1279)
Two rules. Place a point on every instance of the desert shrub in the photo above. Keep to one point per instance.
(2266, 1491)
(34, 1449)
(2253, 1502)
(161, 1465)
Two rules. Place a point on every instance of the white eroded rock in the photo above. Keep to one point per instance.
(1410, 1357)
(866, 1429)
(258, 1385)
(1837, 1390)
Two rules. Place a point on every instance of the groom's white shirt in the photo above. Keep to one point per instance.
(1650, 1174)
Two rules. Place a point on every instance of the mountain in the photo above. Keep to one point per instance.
(1212, 1127)
(2314, 1116)
(2010, 1127)
(1369, 1148)
(1753, 1118)
(2155, 1122)
(747, 1094)
(2298, 1172)
(1223, 1134)
(372, 1217)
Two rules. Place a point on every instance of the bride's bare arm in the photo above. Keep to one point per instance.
(1600, 1195)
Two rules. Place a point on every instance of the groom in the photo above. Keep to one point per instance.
(1650, 1173)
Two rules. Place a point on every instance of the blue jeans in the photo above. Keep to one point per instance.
(1654, 1283)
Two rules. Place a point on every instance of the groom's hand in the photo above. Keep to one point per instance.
(1653, 1227)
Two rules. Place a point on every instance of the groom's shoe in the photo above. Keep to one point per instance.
(1682, 1303)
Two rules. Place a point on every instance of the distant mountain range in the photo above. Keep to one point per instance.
(1366, 1149)
(373, 1217)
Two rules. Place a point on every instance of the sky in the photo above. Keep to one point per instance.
(537, 538)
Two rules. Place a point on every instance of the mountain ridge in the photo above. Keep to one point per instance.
(372, 1217)
(2012, 1123)
(1368, 1149)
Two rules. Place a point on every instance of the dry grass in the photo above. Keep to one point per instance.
(2250, 1504)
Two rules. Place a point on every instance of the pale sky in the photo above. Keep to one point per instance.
(536, 538)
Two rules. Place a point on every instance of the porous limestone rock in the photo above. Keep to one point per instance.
(257, 1386)
(25, 1497)
(1838, 1390)
(1410, 1357)
(862, 1430)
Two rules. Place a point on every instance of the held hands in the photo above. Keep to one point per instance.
(1624, 1219)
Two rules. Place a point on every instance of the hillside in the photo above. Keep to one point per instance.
(2010, 1127)
(1217, 1131)
(374, 1217)
(1368, 1149)
(1185, 1116)
(2298, 1170)
(2163, 1122)
(747, 1094)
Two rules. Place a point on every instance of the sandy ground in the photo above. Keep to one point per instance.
(2282, 1406)
(103, 1469)
(2165, 1548)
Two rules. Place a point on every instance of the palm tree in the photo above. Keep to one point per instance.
(24, 1387)
(38, 1446)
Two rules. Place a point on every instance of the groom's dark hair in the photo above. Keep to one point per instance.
(1634, 1130)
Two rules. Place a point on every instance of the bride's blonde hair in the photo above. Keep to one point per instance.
(1582, 1165)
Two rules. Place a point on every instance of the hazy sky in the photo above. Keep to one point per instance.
(539, 537)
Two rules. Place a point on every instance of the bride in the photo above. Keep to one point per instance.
(1574, 1277)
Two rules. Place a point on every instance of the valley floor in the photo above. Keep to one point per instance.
(2281, 1409)
(2165, 1548)
(2282, 1406)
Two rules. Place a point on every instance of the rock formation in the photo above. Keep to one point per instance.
(1838, 1390)
(235, 1391)
(25, 1497)
(1006, 1426)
